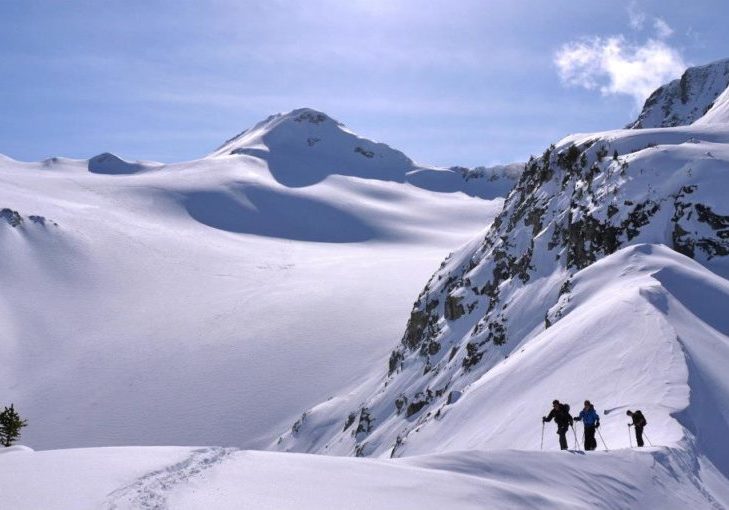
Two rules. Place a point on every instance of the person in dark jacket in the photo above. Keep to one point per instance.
(639, 422)
(591, 421)
(563, 419)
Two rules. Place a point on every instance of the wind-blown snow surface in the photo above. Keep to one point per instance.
(207, 302)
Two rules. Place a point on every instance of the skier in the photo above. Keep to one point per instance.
(639, 422)
(591, 421)
(561, 415)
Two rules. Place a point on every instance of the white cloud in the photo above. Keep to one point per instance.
(636, 17)
(614, 66)
(663, 31)
(637, 20)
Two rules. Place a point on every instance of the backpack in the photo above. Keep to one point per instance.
(564, 412)
(640, 417)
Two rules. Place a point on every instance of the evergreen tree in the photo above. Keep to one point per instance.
(10, 425)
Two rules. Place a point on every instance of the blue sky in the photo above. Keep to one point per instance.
(447, 82)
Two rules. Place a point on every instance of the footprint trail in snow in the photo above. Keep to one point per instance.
(151, 490)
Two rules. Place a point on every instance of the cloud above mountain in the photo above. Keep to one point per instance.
(619, 65)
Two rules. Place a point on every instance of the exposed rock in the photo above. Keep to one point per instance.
(683, 101)
(364, 152)
(453, 397)
(453, 307)
(13, 218)
(364, 426)
(415, 407)
(349, 421)
(473, 356)
(296, 427)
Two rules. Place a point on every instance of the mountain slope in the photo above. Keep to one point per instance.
(719, 111)
(155, 304)
(571, 295)
(683, 101)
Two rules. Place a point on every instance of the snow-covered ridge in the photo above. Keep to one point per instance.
(305, 146)
(685, 100)
(571, 294)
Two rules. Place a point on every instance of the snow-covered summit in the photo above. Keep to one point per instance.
(300, 121)
(685, 100)
(304, 146)
(111, 164)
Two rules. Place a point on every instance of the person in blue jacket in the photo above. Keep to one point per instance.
(591, 421)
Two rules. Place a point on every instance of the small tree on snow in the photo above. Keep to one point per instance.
(10, 425)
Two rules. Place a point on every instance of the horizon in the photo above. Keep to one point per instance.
(465, 84)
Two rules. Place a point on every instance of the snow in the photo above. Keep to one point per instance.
(193, 478)
(152, 303)
(593, 304)
(217, 301)
(77, 479)
(719, 111)
(304, 146)
(112, 164)
(683, 101)
(653, 166)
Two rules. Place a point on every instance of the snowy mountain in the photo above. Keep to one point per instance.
(305, 146)
(603, 275)
(683, 101)
(156, 304)
(603, 278)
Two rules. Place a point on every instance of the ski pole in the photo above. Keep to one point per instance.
(577, 441)
(541, 445)
(630, 438)
(601, 439)
(646, 436)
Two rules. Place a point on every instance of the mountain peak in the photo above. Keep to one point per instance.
(684, 100)
(304, 146)
(301, 119)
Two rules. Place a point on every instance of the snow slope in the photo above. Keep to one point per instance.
(683, 101)
(603, 278)
(206, 302)
(514, 287)
(220, 478)
(719, 111)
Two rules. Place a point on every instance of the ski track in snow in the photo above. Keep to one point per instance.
(150, 491)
